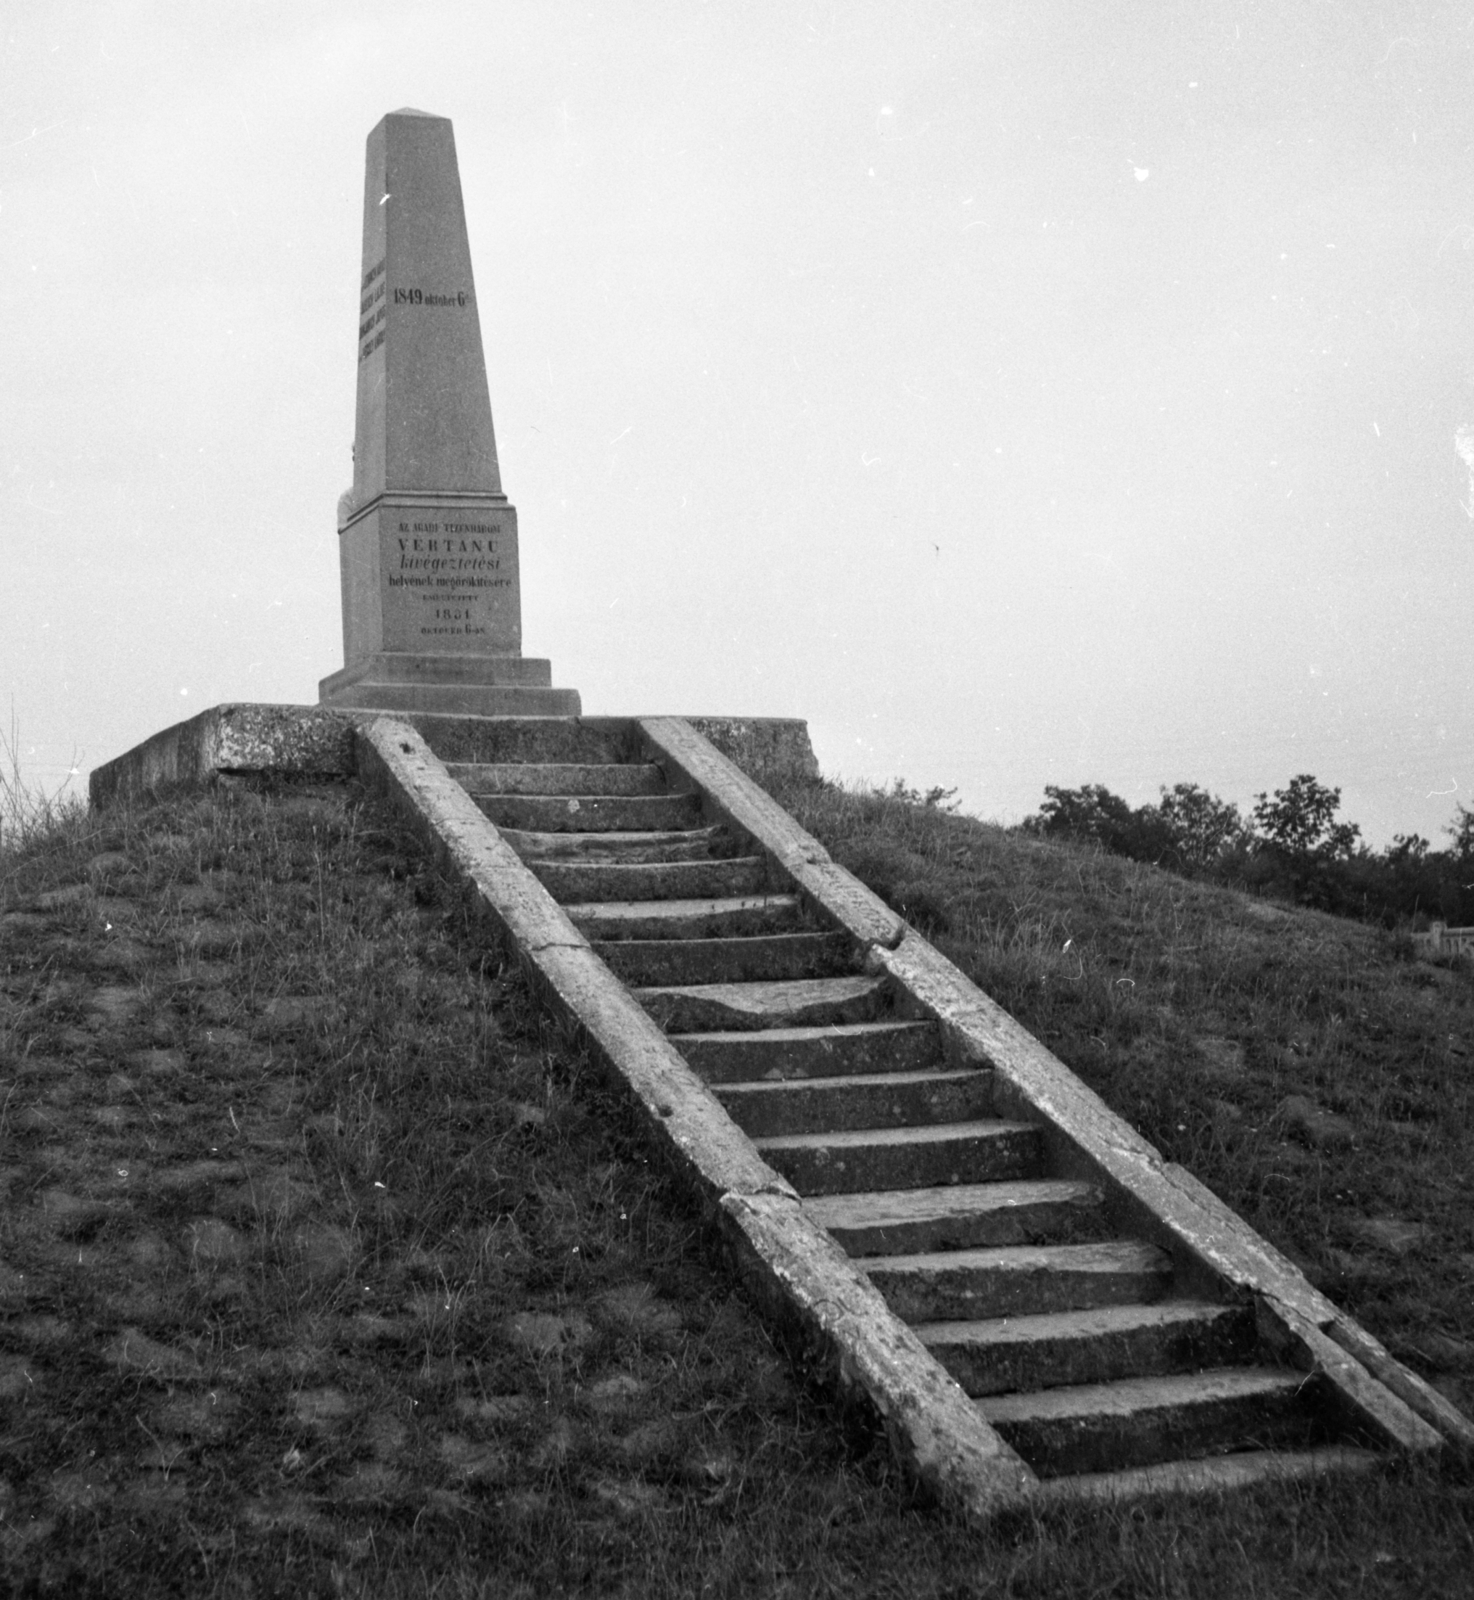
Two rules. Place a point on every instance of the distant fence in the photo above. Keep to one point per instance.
(1443, 941)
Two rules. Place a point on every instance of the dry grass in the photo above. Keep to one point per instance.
(25, 809)
(324, 1269)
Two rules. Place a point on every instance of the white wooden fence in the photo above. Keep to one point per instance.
(1440, 940)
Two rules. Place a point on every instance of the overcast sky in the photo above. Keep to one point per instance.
(1022, 393)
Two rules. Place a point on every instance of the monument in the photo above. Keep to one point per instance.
(432, 607)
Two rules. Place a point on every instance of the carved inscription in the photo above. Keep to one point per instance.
(373, 307)
(422, 297)
(372, 310)
(449, 566)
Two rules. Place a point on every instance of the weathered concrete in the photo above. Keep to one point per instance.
(1100, 1345)
(905, 1158)
(741, 916)
(765, 748)
(743, 805)
(565, 741)
(751, 744)
(1020, 1280)
(301, 741)
(317, 741)
(862, 1100)
(809, 1002)
(778, 1054)
(1365, 1405)
(572, 813)
(1137, 1422)
(687, 844)
(369, 686)
(1422, 1398)
(791, 1265)
(959, 1216)
(654, 880)
(1207, 1475)
(565, 778)
(747, 958)
(795, 1268)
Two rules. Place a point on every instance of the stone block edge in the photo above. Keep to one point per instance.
(234, 737)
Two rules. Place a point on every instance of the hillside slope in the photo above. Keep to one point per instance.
(325, 1268)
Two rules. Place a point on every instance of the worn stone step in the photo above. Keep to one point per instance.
(812, 1002)
(904, 1158)
(960, 1216)
(585, 881)
(791, 1053)
(1019, 1280)
(865, 1100)
(1138, 1422)
(572, 813)
(734, 917)
(550, 777)
(1094, 1346)
(687, 844)
(756, 959)
(1209, 1475)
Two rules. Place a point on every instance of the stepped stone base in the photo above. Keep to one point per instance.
(318, 741)
(449, 685)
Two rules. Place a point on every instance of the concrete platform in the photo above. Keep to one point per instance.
(238, 739)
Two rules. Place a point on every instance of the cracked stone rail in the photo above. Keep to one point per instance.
(1239, 1298)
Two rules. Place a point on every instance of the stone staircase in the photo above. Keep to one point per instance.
(1083, 1347)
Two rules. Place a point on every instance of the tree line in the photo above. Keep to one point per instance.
(1292, 845)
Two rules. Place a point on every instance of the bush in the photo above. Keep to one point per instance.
(1293, 847)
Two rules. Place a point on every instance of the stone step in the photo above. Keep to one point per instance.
(558, 777)
(686, 844)
(455, 702)
(735, 917)
(757, 959)
(960, 1216)
(599, 813)
(782, 1054)
(866, 1100)
(811, 1002)
(1095, 1346)
(1019, 1280)
(584, 881)
(1139, 1422)
(461, 741)
(904, 1158)
(1209, 1475)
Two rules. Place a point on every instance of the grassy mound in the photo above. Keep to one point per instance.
(325, 1269)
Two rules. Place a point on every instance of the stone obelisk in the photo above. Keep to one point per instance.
(432, 607)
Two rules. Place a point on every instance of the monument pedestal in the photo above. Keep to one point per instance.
(432, 620)
(449, 685)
